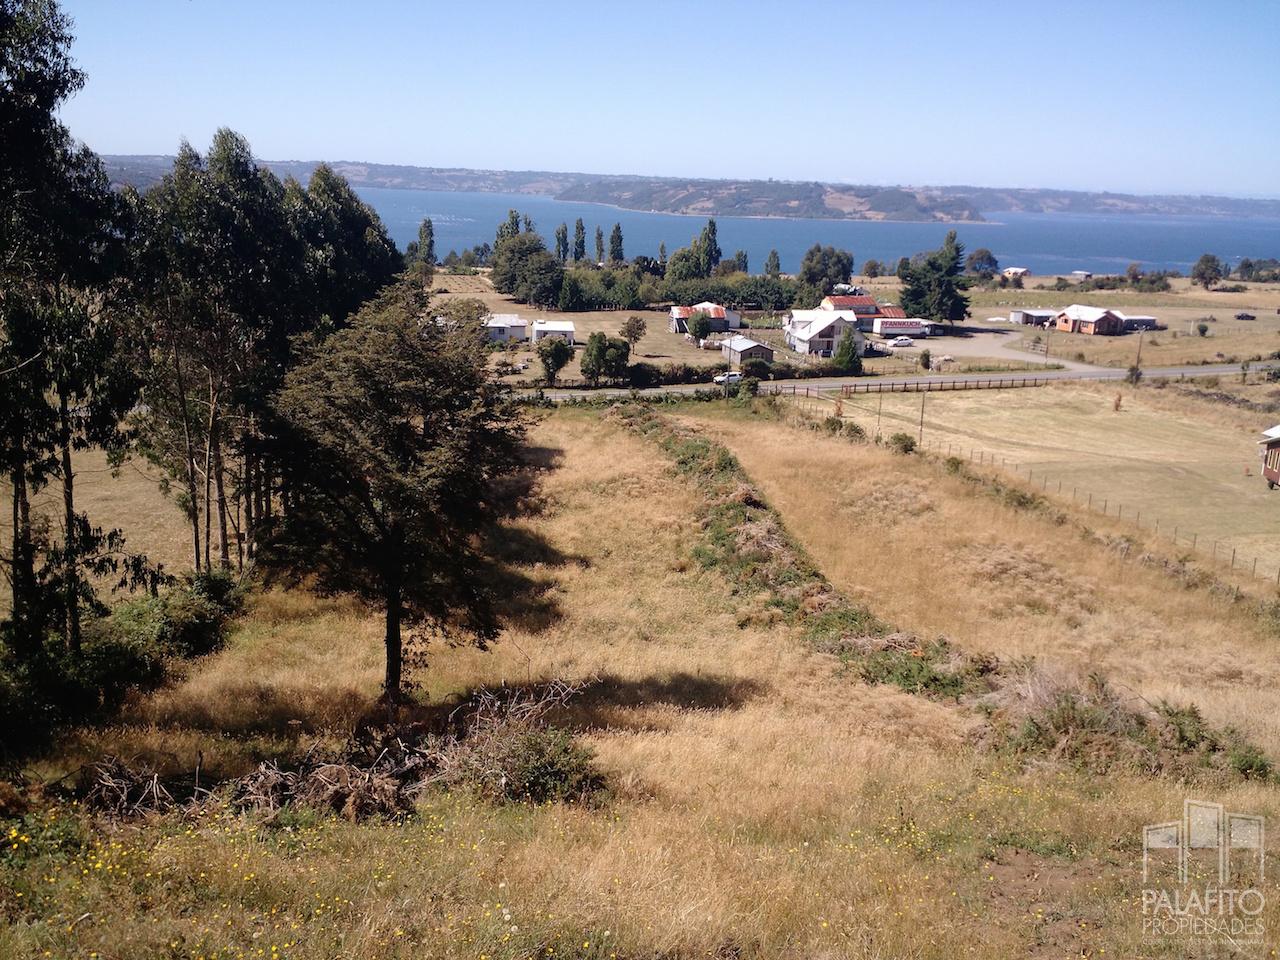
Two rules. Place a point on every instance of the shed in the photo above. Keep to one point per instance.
(553, 328)
(738, 350)
(1270, 452)
(1035, 318)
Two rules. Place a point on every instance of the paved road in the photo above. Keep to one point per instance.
(885, 383)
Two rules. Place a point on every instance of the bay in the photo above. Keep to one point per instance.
(1043, 243)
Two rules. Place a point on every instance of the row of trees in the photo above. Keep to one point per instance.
(213, 325)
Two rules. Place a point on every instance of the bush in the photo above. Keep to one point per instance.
(128, 649)
(926, 360)
(1202, 328)
(903, 443)
(781, 370)
(759, 369)
(532, 766)
(748, 387)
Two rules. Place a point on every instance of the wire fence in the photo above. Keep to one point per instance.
(1218, 550)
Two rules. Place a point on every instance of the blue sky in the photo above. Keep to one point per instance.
(1144, 97)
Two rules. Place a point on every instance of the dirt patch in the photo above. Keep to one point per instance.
(1050, 902)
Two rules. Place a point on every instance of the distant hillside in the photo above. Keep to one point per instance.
(746, 198)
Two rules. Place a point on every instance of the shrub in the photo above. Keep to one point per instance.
(532, 766)
(1202, 328)
(903, 443)
(757, 368)
(748, 387)
(781, 370)
(926, 360)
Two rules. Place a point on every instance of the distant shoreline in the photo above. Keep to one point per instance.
(767, 199)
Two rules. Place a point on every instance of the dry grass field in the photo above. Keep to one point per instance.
(765, 803)
(1180, 309)
(659, 345)
(1167, 454)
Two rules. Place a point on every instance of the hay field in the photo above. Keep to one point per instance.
(1164, 455)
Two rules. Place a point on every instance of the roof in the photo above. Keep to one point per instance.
(807, 324)
(1038, 313)
(894, 313)
(712, 310)
(1078, 311)
(849, 302)
(1272, 435)
(506, 320)
(738, 344)
(556, 326)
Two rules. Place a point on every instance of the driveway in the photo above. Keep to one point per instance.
(995, 344)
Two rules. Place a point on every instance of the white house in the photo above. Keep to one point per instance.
(504, 327)
(553, 328)
(1012, 272)
(818, 332)
(722, 318)
(1081, 274)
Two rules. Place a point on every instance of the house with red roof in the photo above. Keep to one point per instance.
(722, 318)
(866, 309)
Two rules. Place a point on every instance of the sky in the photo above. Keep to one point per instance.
(1139, 96)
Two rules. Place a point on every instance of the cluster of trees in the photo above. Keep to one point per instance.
(524, 268)
(932, 286)
(213, 325)
(1264, 270)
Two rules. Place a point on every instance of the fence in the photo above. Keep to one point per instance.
(939, 383)
(1218, 552)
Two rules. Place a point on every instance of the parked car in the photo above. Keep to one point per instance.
(1245, 316)
(733, 376)
(902, 342)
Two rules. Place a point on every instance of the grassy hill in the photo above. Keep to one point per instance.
(769, 795)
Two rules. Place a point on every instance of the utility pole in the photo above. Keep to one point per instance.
(879, 407)
(923, 394)
(1137, 361)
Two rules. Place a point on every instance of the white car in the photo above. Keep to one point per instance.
(733, 376)
(902, 342)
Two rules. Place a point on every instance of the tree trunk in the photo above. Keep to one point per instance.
(208, 479)
(249, 491)
(193, 510)
(394, 643)
(219, 485)
(70, 540)
(27, 632)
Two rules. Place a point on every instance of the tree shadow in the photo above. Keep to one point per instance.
(606, 702)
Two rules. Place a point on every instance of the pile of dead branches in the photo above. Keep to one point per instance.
(113, 787)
